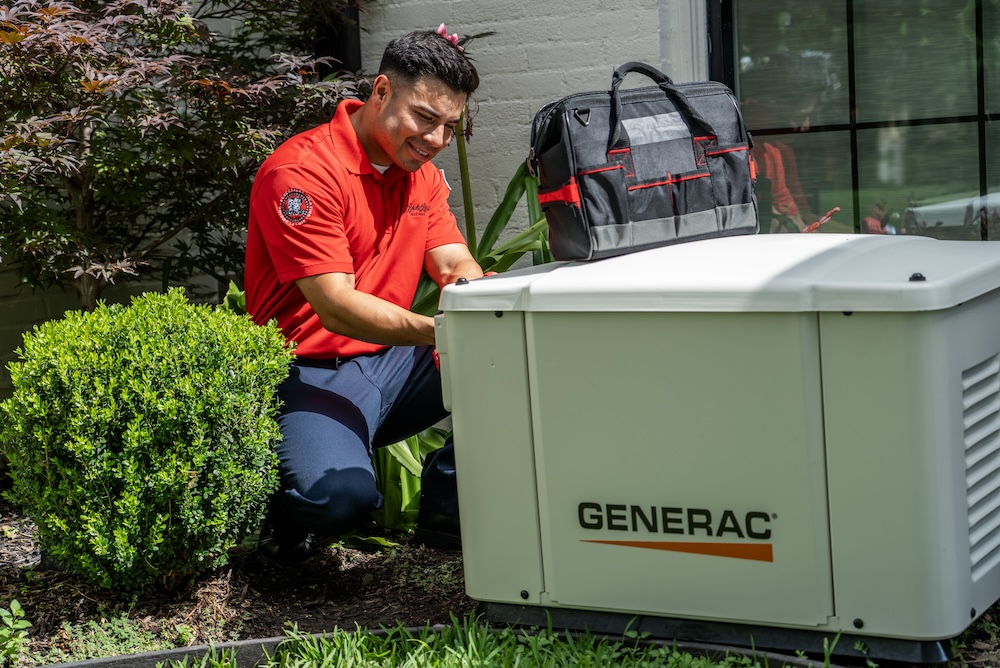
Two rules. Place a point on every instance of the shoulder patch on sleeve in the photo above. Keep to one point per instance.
(295, 206)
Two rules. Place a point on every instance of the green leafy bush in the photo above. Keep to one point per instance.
(13, 637)
(141, 438)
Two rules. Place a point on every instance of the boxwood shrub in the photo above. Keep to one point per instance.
(141, 438)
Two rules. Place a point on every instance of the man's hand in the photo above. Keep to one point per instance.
(446, 264)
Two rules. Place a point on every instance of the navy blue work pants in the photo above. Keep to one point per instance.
(331, 420)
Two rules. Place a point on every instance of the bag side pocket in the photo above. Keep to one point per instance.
(730, 169)
(695, 214)
(569, 238)
(651, 200)
(603, 195)
(692, 192)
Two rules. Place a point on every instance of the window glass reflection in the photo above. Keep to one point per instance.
(800, 177)
(920, 180)
(793, 57)
(917, 128)
(914, 59)
(992, 209)
(991, 55)
(993, 156)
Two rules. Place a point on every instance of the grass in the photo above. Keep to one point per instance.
(110, 636)
(468, 643)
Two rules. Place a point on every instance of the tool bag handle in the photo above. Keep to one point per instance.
(619, 139)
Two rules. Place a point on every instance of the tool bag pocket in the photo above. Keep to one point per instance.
(622, 171)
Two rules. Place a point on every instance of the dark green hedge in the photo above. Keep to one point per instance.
(141, 438)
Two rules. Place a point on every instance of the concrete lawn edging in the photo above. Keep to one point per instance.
(254, 652)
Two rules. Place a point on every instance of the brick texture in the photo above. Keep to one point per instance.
(542, 51)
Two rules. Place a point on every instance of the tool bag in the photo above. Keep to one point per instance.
(626, 170)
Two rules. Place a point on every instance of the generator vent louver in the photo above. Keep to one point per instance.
(981, 414)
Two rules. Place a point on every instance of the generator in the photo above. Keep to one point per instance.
(789, 442)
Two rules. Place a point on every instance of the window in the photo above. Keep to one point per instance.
(887, 109)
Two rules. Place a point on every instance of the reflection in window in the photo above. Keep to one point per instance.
(787, 95)
(914, 59)
(993, 157)
(880, 107)
(991, 55)
(924, 184)
(773, 38)
(801, 177)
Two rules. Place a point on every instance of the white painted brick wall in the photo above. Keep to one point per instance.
(543, 50)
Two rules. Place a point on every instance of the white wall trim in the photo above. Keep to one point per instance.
(684, 39)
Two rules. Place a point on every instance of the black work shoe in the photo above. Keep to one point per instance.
(438, 519)
(445, 536)
(286, 547)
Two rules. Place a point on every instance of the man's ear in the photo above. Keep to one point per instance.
(381, 89)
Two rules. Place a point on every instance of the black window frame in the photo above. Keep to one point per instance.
(722, 67)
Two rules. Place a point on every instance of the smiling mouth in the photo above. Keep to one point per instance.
(420, 152)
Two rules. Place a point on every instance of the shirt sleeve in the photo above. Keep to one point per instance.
(442, 228)
(301, 219)
(782, 199)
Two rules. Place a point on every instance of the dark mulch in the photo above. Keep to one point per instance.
(249, 598)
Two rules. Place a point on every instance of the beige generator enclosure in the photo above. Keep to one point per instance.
(766, 440)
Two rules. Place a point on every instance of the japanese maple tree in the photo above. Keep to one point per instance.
(130, 131)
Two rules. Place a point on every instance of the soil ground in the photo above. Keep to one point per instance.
(249, 598)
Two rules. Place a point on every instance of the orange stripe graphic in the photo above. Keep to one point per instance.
(753, 551)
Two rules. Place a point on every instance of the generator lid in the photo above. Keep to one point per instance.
(772, 272)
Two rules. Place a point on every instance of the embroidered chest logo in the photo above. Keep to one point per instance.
(295, 206)
(417, 209)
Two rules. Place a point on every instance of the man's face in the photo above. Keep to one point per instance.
(414, 122)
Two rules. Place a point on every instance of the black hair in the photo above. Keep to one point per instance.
(426, 53)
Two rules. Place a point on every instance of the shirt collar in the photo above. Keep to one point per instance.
(349, 148)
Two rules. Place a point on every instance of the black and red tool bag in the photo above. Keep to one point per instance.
(626, 170)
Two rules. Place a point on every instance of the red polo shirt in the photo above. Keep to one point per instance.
(317, 206)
